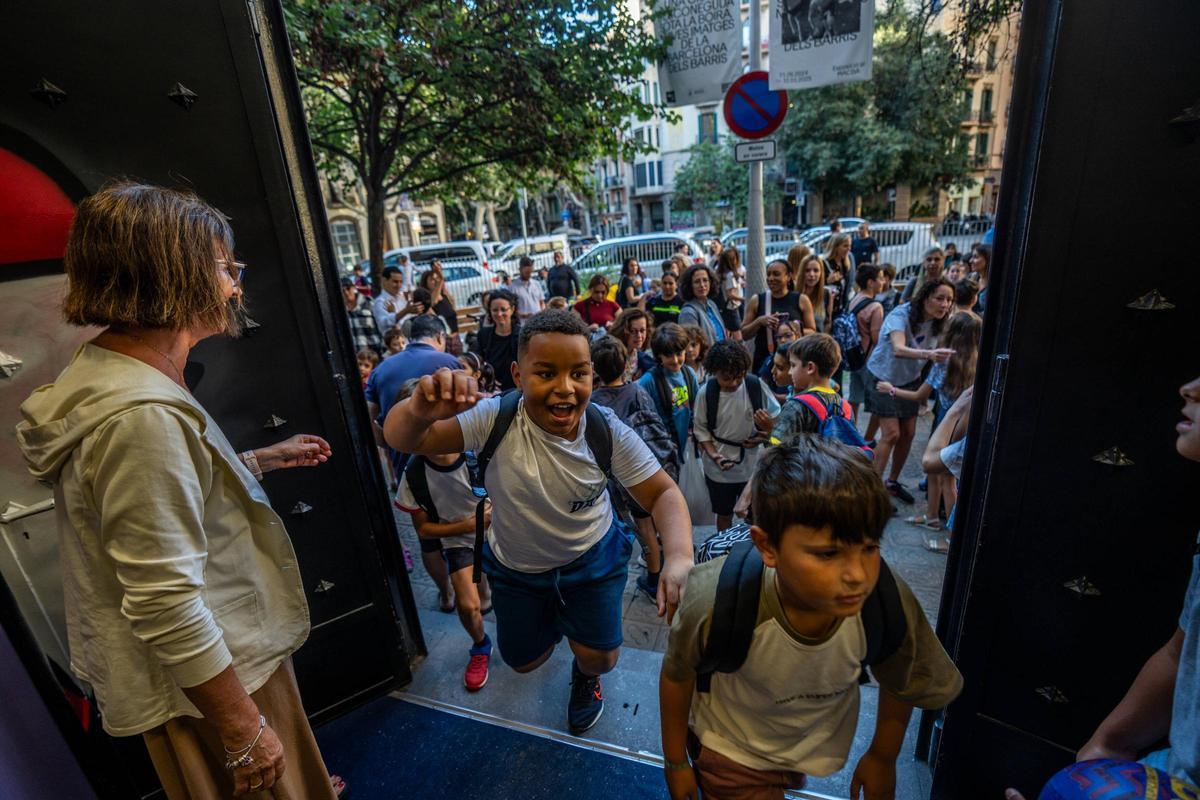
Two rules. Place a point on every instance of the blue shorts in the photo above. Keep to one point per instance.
(581, 600)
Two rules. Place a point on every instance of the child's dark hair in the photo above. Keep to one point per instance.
(669, 339)
(487, 375)
(406, 389)
(550, 321)
(866, 273)
(966, 292)
(728, 357)
(696, 336)
(818, 481)
(819, 348)
(783, 350)
(367, 354)
(392, 335)
(889, 270)
(609, 357)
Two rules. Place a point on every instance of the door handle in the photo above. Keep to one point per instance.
(15, 511)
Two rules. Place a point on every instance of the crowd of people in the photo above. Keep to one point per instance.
(183, 614)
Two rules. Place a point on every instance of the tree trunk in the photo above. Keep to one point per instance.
(491, 218)
(480, 212)
(376, 208)
(539, 206)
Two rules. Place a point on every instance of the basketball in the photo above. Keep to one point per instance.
(1105, 779)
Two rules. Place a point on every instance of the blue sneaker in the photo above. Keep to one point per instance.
(587, 701)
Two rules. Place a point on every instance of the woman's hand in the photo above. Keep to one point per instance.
(883, 386)
(414, 308)
(302, 450)
(268, 766)
(444, 394)
(941, 355)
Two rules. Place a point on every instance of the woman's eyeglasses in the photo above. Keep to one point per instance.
(235, 269)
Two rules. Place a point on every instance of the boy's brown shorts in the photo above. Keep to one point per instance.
(722, 778)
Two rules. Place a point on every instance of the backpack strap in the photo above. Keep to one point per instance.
(693, 387)
(883, 621)
(712, 400)
(665, 403)
(510, 401)
(599, 438)
(813, 404)
(754, 389)
(418, 482)
(735, 610)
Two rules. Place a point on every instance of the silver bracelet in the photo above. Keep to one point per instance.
(241, 756)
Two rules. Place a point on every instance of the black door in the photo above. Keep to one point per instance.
(1080, 516)
(202, 96)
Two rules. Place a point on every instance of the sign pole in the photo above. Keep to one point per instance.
(756, 273)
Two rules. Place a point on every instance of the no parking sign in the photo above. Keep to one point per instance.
(752, 110)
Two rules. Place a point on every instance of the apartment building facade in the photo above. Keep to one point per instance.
(407, 222)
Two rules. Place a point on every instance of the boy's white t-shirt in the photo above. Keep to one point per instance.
(450, 491)
(549, 498)
(735, 422)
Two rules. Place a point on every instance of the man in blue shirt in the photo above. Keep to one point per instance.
(425, 355)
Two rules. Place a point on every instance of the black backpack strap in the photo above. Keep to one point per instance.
(510, 401)
(599, 439)
(754, 388)
(418, 482)
(735, 612)
(693, 388)
(883, 620)
(665, 401)
(712, 399)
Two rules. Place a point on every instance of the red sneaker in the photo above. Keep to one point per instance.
(477, 672)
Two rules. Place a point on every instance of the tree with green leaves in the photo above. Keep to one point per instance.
(713, 182)
(426, 96)
(902, 126)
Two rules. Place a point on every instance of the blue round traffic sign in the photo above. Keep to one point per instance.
(752, 109)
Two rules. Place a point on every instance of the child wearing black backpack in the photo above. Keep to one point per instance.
(728, 426)
(815, 407)
(556, 556)
(760, 683)
(436, 491)
(634, 407)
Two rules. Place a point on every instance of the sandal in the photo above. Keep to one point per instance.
(938, 544)
(339, 785)
(922, 521)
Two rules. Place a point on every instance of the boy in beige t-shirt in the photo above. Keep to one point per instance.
(792, 707)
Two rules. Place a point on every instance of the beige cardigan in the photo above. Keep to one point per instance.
(174, 564)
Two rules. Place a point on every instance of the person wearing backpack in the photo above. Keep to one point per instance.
(672, 383)
(436, 491)
(725, 425)
(752, 702)
(857, 332)
(556, 556)
(815, 407)
(634, 406)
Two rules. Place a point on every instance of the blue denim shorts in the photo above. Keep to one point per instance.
(581, 600)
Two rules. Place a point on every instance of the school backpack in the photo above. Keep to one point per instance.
(735, 612)
(633, 405)
(418, 482)
(845, 333)
(665, 398)
(596, 433)
(712, 399)
(836, 423)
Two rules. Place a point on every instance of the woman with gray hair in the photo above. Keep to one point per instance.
(183, 598)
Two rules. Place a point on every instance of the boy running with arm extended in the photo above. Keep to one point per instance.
(791, 707)
(556, 556)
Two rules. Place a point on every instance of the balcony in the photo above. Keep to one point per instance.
(985, 116)
(614, 180)
(980, 161)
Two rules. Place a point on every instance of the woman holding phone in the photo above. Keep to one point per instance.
(765, 312)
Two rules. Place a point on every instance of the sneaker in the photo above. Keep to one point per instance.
(923, 485)
(476, 674)
(895, 489)
(648, 587)
(587, 701)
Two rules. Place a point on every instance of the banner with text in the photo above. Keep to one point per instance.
(705, 53)
(820, 42)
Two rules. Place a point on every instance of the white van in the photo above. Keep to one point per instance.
(650, 250)
(467, 251)
(902, 244)
(540, 248)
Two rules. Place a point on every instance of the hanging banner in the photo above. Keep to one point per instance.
(705, 53)
(820, 42)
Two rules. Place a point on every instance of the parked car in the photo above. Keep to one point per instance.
(540, 248)
(902, 244)
(468, 282)
(649, 249)
(771, 233)
(581, 244)
(460, 252)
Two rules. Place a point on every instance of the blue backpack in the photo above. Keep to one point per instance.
(845, 333)
(835, 423)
